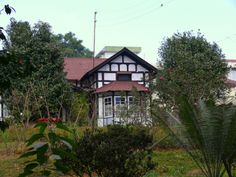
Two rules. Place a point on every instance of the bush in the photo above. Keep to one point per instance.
(120, 151)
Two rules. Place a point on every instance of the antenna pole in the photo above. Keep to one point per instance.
(94, 35)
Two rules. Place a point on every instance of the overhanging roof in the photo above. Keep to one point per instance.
(122, 86)
(76, 68)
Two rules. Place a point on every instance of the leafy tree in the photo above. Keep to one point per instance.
(190, 66)
(72, 47)
(35, 58)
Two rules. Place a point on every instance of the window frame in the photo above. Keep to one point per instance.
(108, 106)
(124, 74)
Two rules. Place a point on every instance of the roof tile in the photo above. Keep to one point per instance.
(76, 68)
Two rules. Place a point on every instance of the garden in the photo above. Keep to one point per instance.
(169, 160)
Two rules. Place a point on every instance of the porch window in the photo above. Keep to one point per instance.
(108, 106)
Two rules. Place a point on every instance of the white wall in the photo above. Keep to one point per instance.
(140, 68)
(117, 60)
(100, 112)
(232, 74)
(110, 76)
(137, 76)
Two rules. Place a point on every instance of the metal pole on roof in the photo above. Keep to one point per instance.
(94, 35)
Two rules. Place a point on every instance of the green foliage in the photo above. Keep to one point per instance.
(210, 131)
(80, 108)
(72, 47)
(119, 151)
(46, 148)
(3, 126)
(135, 110)
(34, 58)
(191, 66)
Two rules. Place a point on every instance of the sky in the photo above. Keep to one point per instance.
(142, 23)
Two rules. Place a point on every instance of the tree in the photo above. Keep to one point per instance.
(190, 66)
(72, 47)
(35, 58)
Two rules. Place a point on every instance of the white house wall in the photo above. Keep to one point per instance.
(131, 67)
(117, 60)
(137, 76)
(110, 76)
(100, 112)
(123, 67)
(140, 68)
(128, 60)
(114, 67)
(232, 74)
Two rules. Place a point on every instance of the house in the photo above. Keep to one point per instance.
(111, 82)
(231, 80)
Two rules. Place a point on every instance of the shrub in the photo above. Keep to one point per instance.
(119, 151)
(113, 152)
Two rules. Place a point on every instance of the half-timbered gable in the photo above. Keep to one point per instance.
(123, 66)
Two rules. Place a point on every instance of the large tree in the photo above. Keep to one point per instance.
(35, 58)
(190, 66)
(72, 46)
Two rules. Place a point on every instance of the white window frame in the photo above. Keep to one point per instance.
(108, 106)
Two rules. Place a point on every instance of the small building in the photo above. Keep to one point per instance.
(112, 82)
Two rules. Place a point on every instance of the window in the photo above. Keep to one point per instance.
(124, 77)
(120, 105)
(130, 100)
(108, 107)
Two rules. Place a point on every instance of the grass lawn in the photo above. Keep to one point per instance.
(175, 163)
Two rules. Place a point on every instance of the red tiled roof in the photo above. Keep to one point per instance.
(231, 83)
(75, 68)
(230, 60)
(122, 86)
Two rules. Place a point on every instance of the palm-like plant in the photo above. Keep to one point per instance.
(210, 131)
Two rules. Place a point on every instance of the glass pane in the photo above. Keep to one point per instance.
(124, 77)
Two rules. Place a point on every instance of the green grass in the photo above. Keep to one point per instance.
(175, 163)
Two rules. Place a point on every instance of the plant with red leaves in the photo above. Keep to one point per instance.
(161, 78)
(49, 120)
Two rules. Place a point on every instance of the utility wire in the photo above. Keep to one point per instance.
(132, 11)
(138, 16)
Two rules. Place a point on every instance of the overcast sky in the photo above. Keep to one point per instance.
(143, 23)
